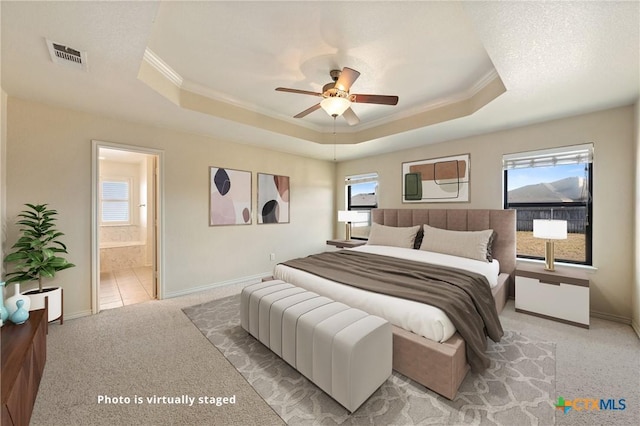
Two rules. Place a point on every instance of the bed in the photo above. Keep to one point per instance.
(435, 355)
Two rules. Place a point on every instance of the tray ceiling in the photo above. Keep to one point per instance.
(459, 68)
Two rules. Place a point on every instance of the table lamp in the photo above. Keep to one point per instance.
(349, 216)
(549, 230)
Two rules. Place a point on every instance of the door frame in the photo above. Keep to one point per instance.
(95, 208)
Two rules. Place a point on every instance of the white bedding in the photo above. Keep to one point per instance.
(424, 320)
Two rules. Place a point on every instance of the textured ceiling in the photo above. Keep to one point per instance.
(555, 59)
(258, 47)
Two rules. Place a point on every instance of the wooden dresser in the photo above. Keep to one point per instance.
(24, 352)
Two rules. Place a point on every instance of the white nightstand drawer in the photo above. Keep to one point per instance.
(558, 300)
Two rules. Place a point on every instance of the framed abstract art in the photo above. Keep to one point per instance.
(229, 197)
(437, 180)
(273, 198)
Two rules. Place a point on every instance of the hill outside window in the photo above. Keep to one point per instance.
(552, 184)
(362, 195)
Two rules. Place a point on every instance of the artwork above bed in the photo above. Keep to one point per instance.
(437, 180)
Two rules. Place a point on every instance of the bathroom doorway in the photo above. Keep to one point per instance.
(126, 217)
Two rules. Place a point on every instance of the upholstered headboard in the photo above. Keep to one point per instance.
(503, 222)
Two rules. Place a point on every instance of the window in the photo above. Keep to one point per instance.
(362, 195)
(552, 184)
(115, 201)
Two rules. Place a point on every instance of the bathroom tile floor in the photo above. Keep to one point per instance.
(125, 287)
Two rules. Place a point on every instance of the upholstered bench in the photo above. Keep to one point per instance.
(345, 351)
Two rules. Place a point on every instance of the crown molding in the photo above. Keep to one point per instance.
(207, 92)
(464, 95)
(162, 67)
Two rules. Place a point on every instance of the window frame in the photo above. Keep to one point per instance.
(129, 200)
(374, 178)
(560, 205)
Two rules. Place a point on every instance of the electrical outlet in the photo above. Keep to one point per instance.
(272, 256)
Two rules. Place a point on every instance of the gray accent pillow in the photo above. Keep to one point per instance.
(469, 244)
(493, 237)
(382, 235)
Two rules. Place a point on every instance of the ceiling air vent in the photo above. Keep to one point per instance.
(65, 55)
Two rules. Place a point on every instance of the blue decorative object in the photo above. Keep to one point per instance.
(10, 302)
(21, 314)
(4, 314)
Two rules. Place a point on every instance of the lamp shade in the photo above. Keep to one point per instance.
(335, 106)
(351, 216)
(550, 229)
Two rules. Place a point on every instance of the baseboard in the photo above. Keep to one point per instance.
(75, 315)
(252, 279)
(610, 317)
(636, 328)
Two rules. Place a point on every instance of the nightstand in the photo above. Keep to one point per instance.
(561, 296)
(346, 243)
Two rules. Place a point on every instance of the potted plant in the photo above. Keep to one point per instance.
(36, 256)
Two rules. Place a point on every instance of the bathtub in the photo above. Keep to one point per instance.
(117, 255)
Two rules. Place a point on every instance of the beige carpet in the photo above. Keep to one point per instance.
(153, 348)
(143, 350)
(600, 362)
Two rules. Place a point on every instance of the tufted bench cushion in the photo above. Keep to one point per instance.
(345, 351)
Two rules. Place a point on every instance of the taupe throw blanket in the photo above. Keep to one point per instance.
(464, 296)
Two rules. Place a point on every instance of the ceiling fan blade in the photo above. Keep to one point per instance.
(374, 99)
(351, 117)
(346, 79)
(301, 92)
(307, 111)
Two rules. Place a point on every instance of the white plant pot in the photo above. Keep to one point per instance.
(54, 294)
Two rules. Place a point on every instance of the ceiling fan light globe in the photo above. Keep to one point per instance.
(335, 106)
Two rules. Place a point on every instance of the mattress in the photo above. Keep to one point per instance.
(424, 320)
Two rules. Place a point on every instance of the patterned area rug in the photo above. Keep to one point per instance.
(518, 388)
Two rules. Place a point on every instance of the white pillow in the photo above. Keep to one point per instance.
(469, 244)
(394, 236)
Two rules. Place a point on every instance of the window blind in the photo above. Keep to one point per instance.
(115, 211)
(577, 154)
(115, 201)
(354, 180)
(115, 190)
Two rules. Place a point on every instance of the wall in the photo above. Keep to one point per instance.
(56, 144)
(636, 263)
(3, 179)
(611, 131)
